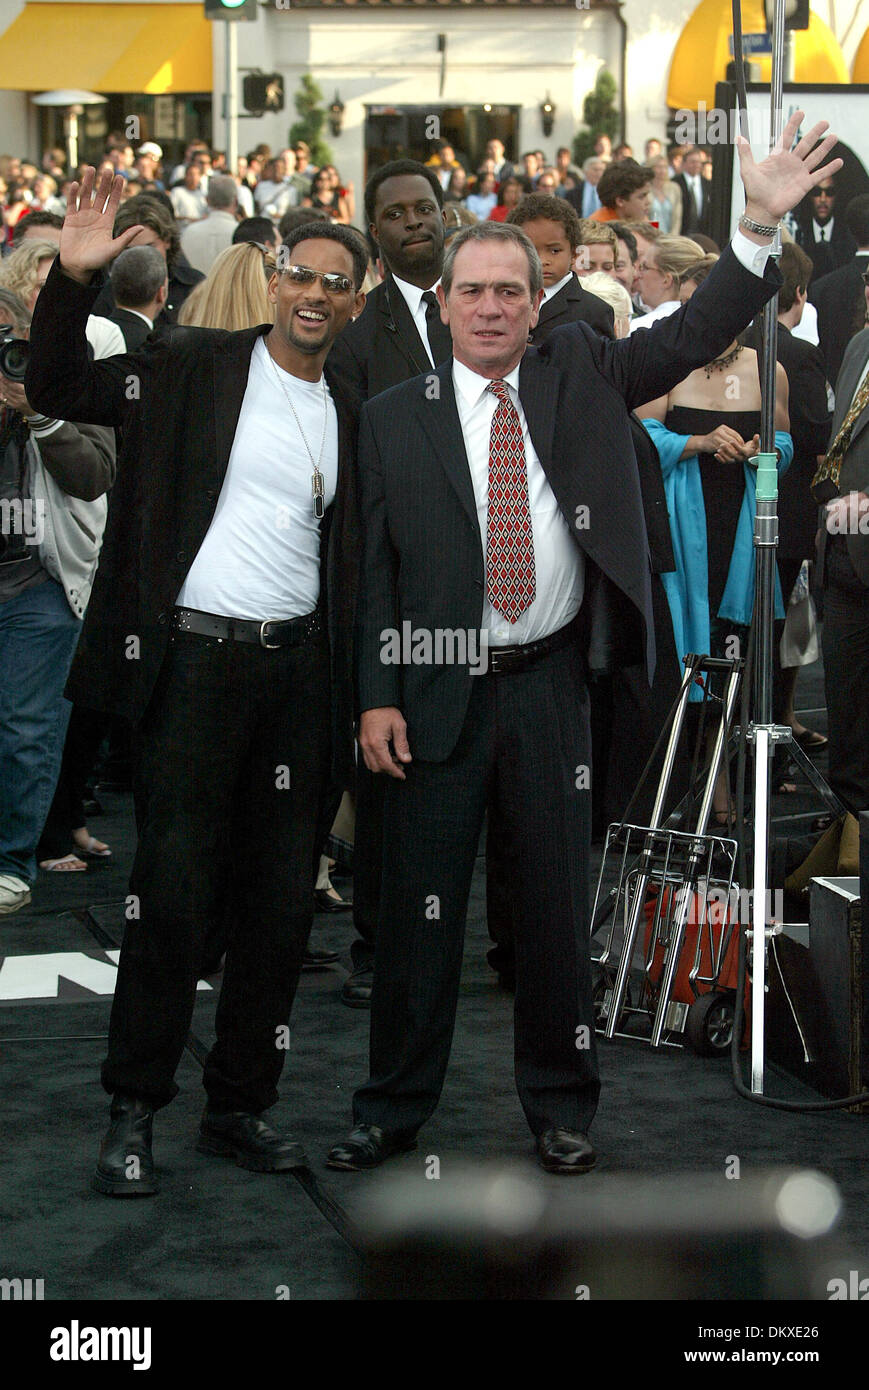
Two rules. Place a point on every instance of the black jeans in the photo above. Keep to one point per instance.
(231, 765)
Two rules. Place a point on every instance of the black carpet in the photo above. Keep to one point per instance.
(218, 1232)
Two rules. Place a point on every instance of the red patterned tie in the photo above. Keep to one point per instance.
(511, 585)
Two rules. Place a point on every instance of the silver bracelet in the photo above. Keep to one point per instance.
(759, 228)
(38, 422)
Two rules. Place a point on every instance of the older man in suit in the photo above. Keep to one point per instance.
(221, 605)
(496, 495)
(842, 481)
(399, 335)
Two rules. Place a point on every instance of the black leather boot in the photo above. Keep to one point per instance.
(125, 1167)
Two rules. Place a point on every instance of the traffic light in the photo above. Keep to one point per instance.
(262, 91)
(230, 9)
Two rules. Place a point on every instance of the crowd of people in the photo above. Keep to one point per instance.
(209, 565)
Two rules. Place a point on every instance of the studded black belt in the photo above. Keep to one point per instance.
(272, 633)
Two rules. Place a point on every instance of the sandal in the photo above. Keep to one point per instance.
(69, 864)
(91, 850)
(810, 740)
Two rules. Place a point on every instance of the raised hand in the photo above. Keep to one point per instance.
(781, 180)
(86, 240)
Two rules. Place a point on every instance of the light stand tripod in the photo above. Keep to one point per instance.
(763, 734)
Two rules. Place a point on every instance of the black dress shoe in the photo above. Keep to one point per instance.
(324, 902)
(125, 1167)
(366, 1146)
(250, 1141)
(356, 989)
(313, 960)
(565, 1151)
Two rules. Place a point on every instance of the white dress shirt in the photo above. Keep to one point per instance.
(413, 299)
(695, 183)
(823, 233)
(558, 561)
(553, 289)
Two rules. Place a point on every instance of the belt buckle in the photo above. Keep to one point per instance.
(269, 646)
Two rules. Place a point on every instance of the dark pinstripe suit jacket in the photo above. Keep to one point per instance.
(423, 556)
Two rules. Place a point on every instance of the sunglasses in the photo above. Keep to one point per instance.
(332, 282)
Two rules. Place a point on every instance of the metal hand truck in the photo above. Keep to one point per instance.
(679, 885)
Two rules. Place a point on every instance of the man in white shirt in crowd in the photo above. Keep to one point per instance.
(188, 198)
(202, 242)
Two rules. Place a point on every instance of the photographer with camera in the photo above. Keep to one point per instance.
(54, 477)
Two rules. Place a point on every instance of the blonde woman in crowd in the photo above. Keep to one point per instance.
(233, 294)
(25, 270)
(659, 276)
(607, 288)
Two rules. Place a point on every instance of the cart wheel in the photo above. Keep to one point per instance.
(709, 1024)
(602, 981)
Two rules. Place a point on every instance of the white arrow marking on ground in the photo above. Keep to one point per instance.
(38, 977)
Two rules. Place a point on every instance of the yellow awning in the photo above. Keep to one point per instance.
(860, 71)
(108, 48)
(702, 53)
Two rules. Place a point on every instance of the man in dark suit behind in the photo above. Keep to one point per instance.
(220, 626)
(696, 195)
(809, 411)
(842, 481)
(140, 284)
(531, 449)
(822, 230)
(839, 297)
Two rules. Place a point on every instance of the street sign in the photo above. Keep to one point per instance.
(752, 43)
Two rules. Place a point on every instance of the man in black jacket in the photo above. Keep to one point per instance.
(696, 191)
(839, 297)
(223, 596)
(531, 450)
(822, 229)
(398, 336)
(140, 286)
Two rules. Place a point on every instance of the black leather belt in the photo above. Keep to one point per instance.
(503, 660)
(290, 632)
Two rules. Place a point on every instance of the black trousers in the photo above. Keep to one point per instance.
(846, 676)
(368, 870)
(231, 765)
(526, 737)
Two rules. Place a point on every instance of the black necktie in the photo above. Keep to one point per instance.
(822, 236)
(439, 339)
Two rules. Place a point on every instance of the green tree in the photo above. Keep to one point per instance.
(309, 126)
(600, 115)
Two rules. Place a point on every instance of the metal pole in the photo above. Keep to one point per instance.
(230, 93)
(765, 542)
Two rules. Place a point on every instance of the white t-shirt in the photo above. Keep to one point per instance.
(261, 556)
